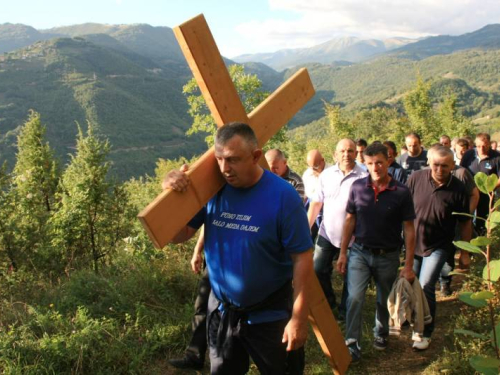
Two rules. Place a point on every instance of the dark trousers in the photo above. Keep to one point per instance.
(198, 344)
(324, 255)
(261, 341)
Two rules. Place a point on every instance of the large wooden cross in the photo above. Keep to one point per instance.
(171, 211)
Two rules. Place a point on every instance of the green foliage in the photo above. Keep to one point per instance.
(248, 87)
(94, 213)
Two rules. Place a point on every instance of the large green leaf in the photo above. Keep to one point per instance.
(485, 365)
(468, 247)
(483, 295)
(471, 333)
(497, 331)
(494, 270)
(480, 179)
(491, 182)
(497, 203)
(481, 241)
(466, 297)
(494, 219)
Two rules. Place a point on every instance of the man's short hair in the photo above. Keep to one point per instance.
(228, 131)
(413, 135)
(376, 149)
(279, 154)
(483, 137)
(445, 136)
(361, 142)
(391, 145)
(440, 150)
(463, 142)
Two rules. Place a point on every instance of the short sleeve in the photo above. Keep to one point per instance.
(295, 233)
(319, 195)
(351, 203)
(197, 221)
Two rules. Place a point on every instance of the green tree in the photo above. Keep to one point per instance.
(94, 214)
(34, 182)
(452, 122)
(249, 88)
(418, 107)
(7, 219)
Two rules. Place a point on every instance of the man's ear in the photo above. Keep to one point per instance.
(256, 154)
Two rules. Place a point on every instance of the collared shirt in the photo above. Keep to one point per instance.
(333, 192)
(489, 165)
(311, 181)
(296, 181)
(380, 214)
(434, 206)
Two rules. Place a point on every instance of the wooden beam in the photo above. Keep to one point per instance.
(327, 330)
(171, 211)
(201, 52)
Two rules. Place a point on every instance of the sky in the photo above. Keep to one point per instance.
(253, 26)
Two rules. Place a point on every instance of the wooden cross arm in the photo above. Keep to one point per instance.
(327, 330)
(171, 211)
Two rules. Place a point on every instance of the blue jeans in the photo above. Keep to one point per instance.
(427, 269)
(361, 266)
(324, 255)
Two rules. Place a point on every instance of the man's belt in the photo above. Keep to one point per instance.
(377, 250)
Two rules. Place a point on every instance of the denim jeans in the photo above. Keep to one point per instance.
(449, 266)
(324, 255)
(361, 266)
(427, 270)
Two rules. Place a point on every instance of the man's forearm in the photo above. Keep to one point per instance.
(409, 234)
(313, 212)
(347, 231)
(302, 272)
(473, 200)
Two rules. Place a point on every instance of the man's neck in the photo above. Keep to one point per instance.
(382, 183)
(416, 155)
(346, 169)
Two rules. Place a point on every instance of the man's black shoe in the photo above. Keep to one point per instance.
(354, 351)
(446, 290)
(380, 343)
(186, 362)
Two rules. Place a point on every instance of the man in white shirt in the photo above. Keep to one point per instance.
(332, 194)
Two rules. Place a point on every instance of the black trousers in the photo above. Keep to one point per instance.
(198, 345)
(261, 341)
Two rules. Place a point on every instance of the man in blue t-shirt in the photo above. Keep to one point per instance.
(257, 241)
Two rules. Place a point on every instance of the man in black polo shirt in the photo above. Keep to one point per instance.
(482, 159)
(416, 157)
(378, 209)
(437, 194)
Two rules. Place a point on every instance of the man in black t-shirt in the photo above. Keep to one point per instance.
(437, 195)
(416, 157)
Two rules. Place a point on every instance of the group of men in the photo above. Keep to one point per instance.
(258, 239)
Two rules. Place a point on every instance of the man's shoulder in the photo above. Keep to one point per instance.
(361, 182)
(294, 176)
(419, 176)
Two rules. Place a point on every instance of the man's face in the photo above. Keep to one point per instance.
(345, 154)
(460, 151)
(482, 147)
(277, 166)
(377, 167)
(441, 167)
(391, 155)
(413, 146)
(359, 154)
(445, 142)
(316, 166)
(237, 161)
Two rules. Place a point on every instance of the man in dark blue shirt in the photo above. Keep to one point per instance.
(378, 210)
(395, 169)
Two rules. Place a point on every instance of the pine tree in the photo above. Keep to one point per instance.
(34, 182)
(452, 122)
(7, 220)
(93, 215)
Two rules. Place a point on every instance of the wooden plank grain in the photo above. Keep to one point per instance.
(206, 63)
(327, 330)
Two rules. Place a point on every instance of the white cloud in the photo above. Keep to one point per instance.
(317, 21)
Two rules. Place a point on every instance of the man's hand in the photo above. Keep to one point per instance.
(196, 262)
(295, 334)
(464, 260)
(341, 266)
(408, 274)
(176, 180)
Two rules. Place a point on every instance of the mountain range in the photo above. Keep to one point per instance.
(129, 78)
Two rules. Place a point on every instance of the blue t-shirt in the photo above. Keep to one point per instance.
(249, 236)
